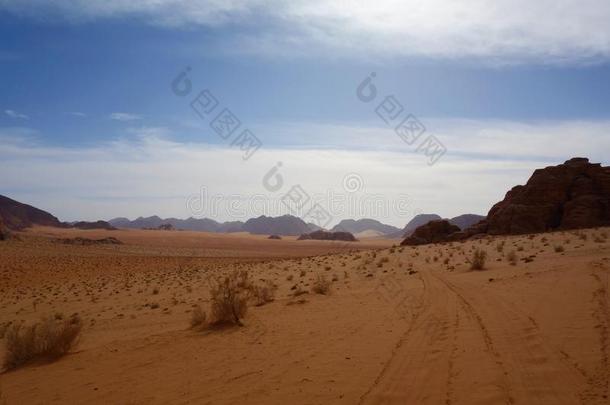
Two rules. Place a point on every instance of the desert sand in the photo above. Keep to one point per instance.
(401, 325)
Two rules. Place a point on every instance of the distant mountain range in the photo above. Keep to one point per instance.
(189, 224)
(289, 225)
(17, 216)
(286, 225)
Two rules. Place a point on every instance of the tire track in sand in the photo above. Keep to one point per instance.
(423, 366)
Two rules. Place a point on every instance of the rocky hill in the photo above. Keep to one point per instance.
(417, 221)
(572, 195)
(287, 225)
(432, 232)
(17, 216)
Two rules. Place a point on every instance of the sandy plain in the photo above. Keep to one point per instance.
(402, 325)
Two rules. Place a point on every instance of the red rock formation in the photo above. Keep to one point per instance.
(432, 232)
(572, 195)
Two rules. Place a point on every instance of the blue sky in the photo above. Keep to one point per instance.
(86, 90)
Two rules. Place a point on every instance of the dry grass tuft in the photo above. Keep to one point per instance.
(321, 285)
(477, 262)
(48, 339)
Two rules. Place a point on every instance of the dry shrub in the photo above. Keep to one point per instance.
(321, 285)
(262, 294)
(559, 249)
(229, 300)
(48, 339)
(477, 262)
(198, 318)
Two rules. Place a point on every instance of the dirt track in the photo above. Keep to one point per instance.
(467, 346)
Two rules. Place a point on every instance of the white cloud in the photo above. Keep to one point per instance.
(77, 114)
(122, 116)
(154, 175)
(503, 31)
(543, 140)
(148, 132)
(16, 115)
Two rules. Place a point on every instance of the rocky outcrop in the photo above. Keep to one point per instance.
(325, 235)
(572, 195)
(417, 221)
(432, 232)
(89, 242)
(93, 225)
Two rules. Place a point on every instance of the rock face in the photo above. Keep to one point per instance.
(325, 235)
(432, 232)
(572, 195)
